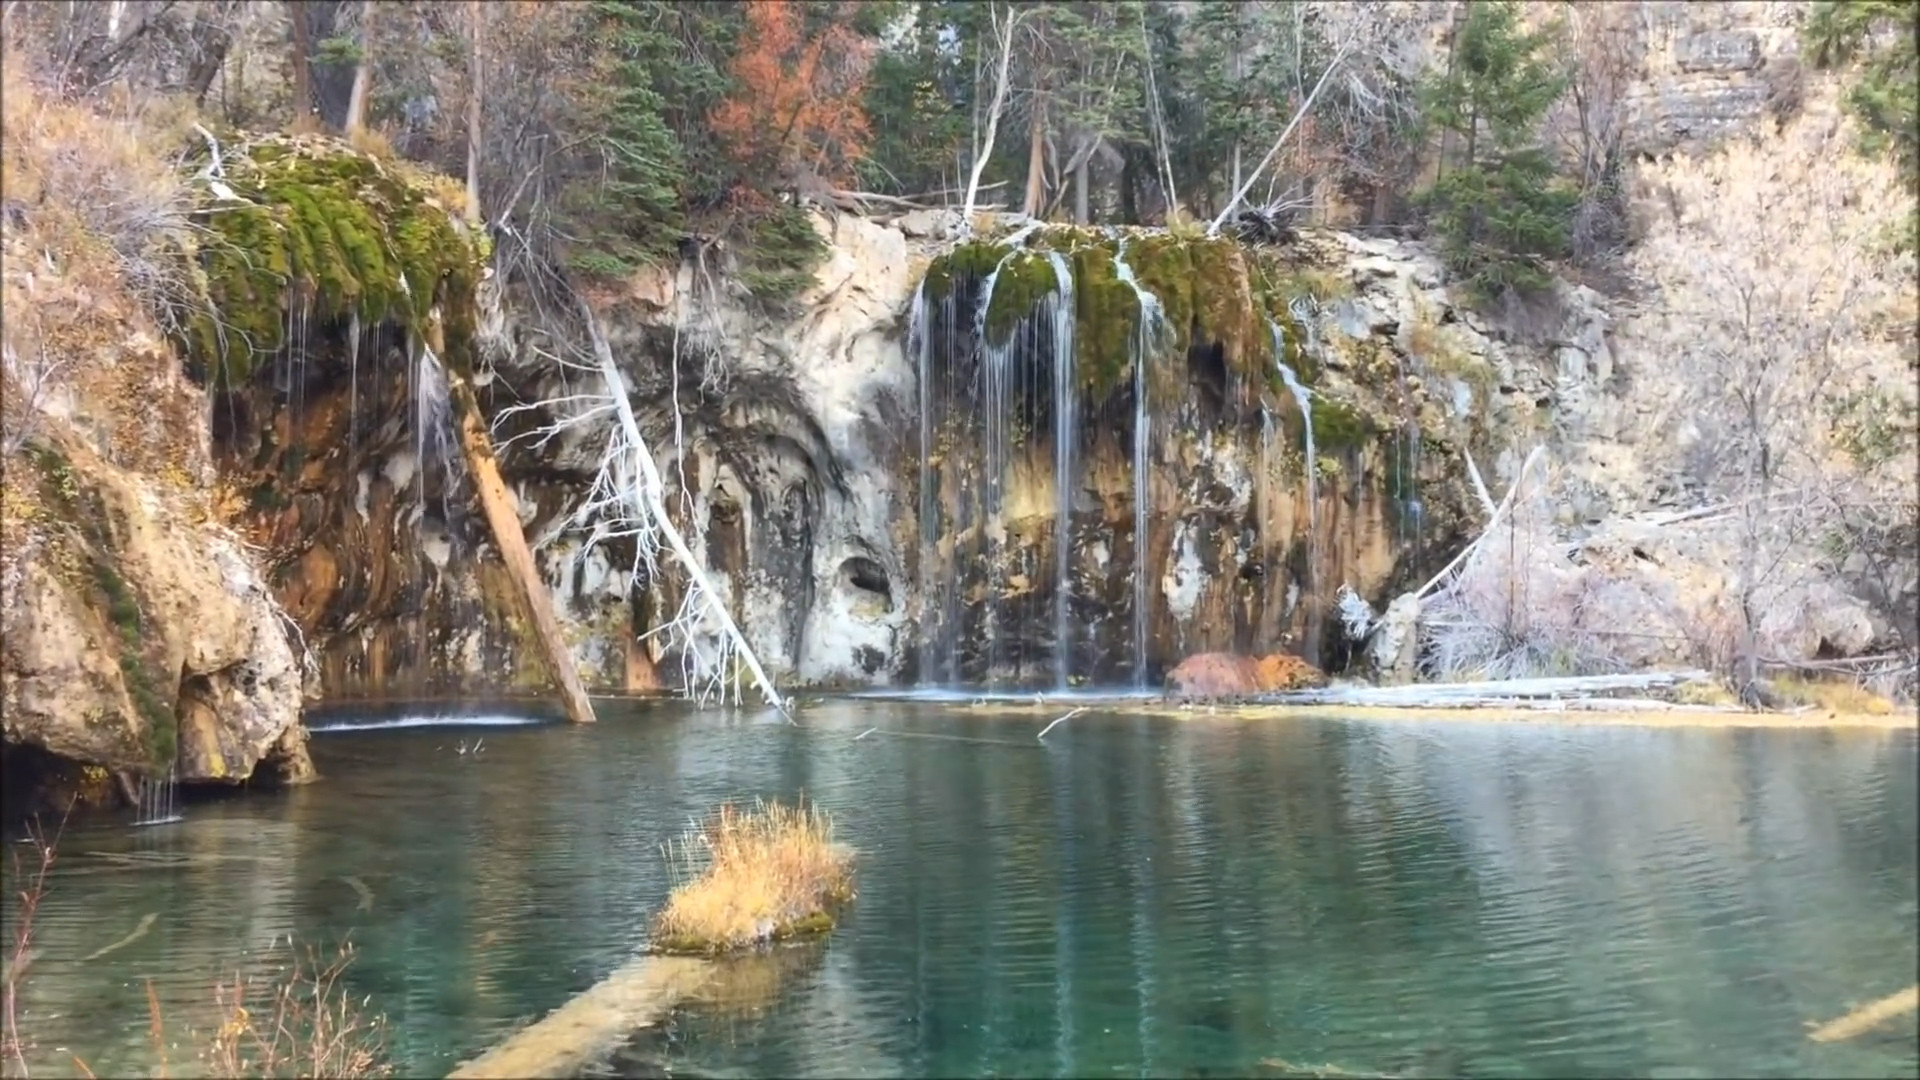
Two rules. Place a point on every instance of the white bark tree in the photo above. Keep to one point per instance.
(1783, 324)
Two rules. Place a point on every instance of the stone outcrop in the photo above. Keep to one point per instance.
(137, 637)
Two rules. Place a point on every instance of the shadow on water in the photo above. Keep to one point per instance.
(1134, 896)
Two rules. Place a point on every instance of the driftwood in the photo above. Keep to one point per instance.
(1499, 512)
(1567, 692)
(503, 521)
(1868, 1017)
(649, 500)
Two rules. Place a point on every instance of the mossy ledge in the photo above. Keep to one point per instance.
(1216, 295)
(307, 226)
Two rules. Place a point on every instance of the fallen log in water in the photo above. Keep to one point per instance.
(1505, 693)
(590, 1026)
(1869, 1016)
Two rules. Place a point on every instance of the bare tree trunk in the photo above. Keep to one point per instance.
(1036, 149)
(302, 60)
(212, 36)
(475, 13)
(362, 73)
(1082, 196)
(1305, 107)
(504, 521)
(1003, 32)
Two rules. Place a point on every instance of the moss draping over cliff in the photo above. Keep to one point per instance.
(1214, 294)
(309, 226)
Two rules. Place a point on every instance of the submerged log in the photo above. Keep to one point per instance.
(591, 1025)
(503, 521)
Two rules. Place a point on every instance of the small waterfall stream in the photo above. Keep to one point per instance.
(1149, 328)
(159, 801)
(1066, 432)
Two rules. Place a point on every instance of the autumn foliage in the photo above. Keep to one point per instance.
(797, 104)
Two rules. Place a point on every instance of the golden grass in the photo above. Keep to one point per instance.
(752, 876)
(1832, 695)
(98, 239)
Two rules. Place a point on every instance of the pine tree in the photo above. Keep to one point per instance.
(1500, 211)
(634, 216)
(1884, 36)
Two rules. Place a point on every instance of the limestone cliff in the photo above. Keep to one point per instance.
(135, 631)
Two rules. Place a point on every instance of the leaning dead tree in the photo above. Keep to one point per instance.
(627, 501)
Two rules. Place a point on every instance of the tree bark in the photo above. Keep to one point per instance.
(302, 52)
(475, 13)
(1082, 195)
(1036, 151)
(362, 73)
(503, 520)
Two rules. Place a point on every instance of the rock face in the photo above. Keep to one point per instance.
(135, 637)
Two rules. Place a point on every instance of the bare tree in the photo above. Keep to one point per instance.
(1780, 303)
(476, 18)
(362, 72)
(1004, 24)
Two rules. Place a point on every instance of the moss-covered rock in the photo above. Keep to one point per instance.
(308, 227)
(1212, 293)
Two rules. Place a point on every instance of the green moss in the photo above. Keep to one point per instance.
(1024, 279)
(1105, 323)
(1338, 426)
(321, 228)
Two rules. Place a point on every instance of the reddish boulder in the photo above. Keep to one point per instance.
(1227, 675)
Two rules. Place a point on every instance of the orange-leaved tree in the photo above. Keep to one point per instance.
(796, 107)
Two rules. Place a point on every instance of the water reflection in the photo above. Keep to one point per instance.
(1132, 897)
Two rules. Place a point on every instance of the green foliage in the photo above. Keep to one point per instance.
(633, 213)
(781, 251)
(1501, 211)
(1880, 40)
(1874, 427)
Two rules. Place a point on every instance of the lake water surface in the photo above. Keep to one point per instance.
(1133, 897)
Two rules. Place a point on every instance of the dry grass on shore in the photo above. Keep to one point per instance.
(752, 876)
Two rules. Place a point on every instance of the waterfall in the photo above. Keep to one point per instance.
(1304, 398)
(996, 369)
(1065, 434)
(1147, 331)
(158, 801)
(353, 388)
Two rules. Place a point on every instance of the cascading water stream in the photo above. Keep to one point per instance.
(1147, 333)
(159, 801)
(1065, 434)
(1304, 398)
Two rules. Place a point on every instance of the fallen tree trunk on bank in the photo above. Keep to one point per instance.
(646, 503)
(1569, 692)
(503, 522)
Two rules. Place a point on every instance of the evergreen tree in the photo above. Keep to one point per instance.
(1884, 36)
(631, 215)
(1500, 211)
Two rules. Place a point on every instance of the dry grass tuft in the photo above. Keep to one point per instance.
(1831, 695)
(753, 876)
(95, 219)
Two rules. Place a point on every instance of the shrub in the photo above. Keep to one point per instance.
(753, 876)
